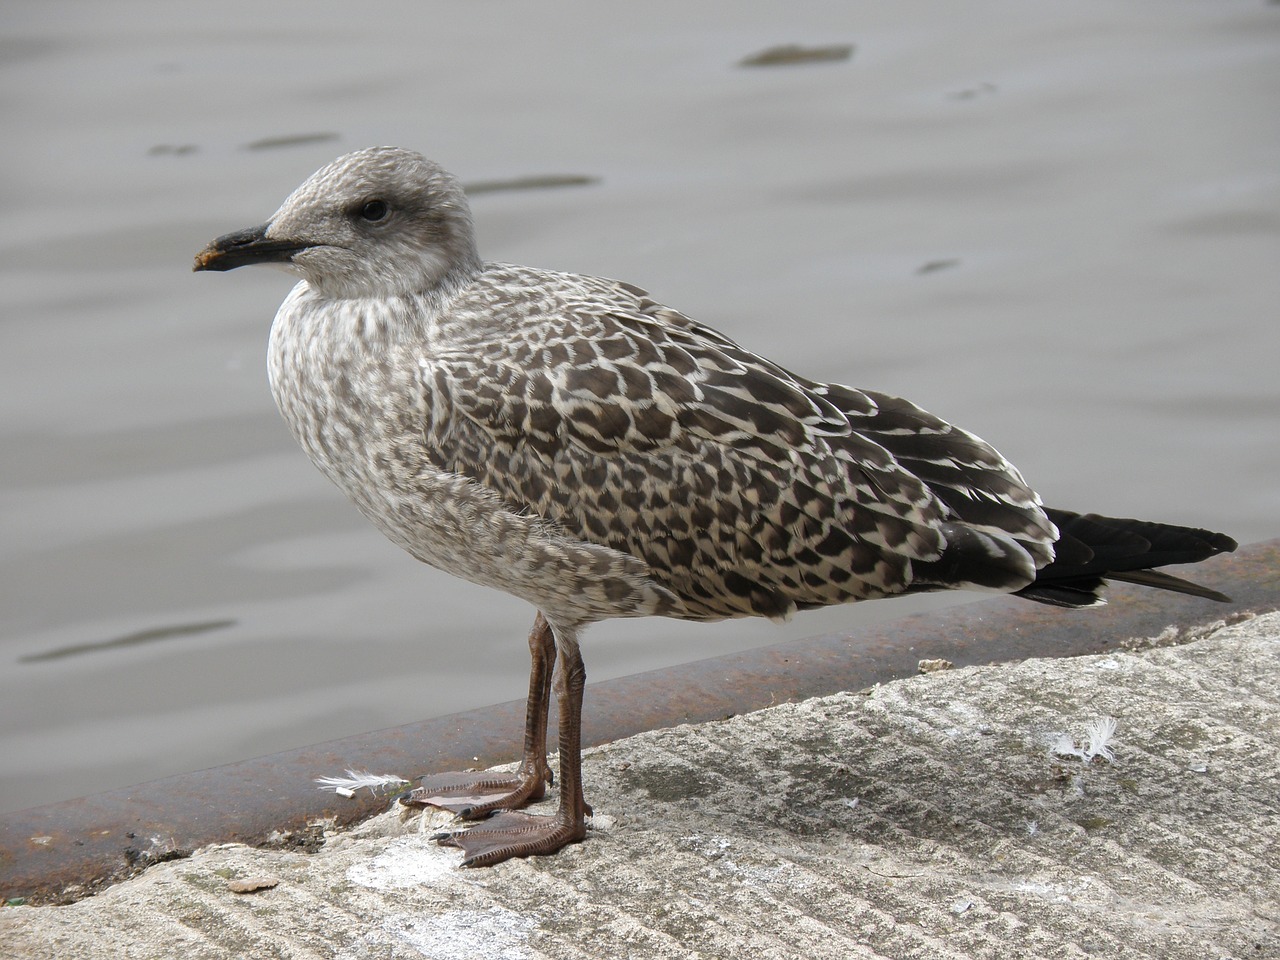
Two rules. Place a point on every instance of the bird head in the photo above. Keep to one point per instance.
(378, 222)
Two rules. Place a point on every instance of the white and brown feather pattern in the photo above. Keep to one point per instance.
(746, 490)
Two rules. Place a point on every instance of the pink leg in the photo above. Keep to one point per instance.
(511, 833)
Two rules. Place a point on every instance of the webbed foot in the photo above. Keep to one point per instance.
(477, 794)
(511, 833)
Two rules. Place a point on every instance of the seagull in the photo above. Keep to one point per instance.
(574, 442)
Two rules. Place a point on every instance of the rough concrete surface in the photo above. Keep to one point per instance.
(962, 813)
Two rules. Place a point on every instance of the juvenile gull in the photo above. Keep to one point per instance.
(575, 443)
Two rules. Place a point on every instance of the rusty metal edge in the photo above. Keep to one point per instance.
(63, 851)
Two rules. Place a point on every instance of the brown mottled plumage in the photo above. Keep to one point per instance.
(573, 442)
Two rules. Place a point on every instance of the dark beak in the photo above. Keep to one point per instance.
(246, 246)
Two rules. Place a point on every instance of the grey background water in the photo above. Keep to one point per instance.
(1055, 224)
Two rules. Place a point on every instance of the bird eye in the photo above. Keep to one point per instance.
(374, 210)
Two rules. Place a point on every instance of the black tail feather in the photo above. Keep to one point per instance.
(1091, 548)
(1165, 581)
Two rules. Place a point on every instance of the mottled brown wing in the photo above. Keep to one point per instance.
(744, 490)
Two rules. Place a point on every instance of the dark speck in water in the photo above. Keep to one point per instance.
(128, 640)
(290, 140)
(790, 54)
(172, 149)
(969, 93)
(933, 266)
(535, 182)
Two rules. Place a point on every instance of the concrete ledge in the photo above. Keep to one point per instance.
(59, 852)
(947, 815)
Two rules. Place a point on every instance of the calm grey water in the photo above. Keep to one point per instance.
(1055, 224)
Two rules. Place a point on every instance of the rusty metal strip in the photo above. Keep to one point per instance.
(62, 851)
